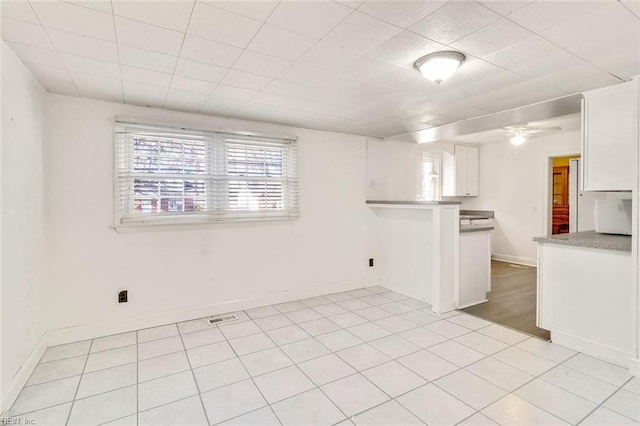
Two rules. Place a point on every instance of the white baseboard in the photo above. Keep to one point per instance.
(634, 367)
(23, 374)
(527, 261)
(91, 331)
(589, 347)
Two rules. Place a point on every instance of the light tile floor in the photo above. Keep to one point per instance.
(369, 356)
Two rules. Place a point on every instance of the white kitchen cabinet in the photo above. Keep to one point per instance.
(475, 268)
(460, 172)
(609, 125)
(584, 299)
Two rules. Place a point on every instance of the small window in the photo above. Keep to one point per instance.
(172, 176)
(431, 165)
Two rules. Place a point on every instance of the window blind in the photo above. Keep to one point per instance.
(172, 175)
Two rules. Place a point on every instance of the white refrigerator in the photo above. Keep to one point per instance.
(580, 202)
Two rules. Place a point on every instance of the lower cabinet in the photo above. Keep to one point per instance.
(585, 299)
(475, 268)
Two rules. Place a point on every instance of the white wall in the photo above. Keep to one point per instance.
(393, 170)
(21, 219)
(512, 183)
(170, 271)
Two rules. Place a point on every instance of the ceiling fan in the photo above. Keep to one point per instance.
(521, 133)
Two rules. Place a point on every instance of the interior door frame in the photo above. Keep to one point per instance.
(547, 201)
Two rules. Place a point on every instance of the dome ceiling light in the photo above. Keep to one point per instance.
(439, 66)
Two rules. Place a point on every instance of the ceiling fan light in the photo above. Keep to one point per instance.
(518, 140)
(439, 66)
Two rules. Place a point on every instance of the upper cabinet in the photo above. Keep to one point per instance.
(460, 172)
(609, 125)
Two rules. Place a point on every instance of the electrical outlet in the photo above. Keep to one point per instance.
(372, 183)
(371, 262)
(123, 297)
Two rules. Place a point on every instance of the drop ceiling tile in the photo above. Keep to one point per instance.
(633, 6)
(521, 53)
(329, 57)
(368, 68)
(200, 71)
(36, 55)
(59, 87)
(504, 8)
(24, 33)
(19, 10)
(173, 15)
(259, 9)
(83, 46)
(401, 13)
(542, 16)
(49, 73)
(236, 93)
(454, 21)
(281, 43)
(91, 65)
(353, 4)
(502, 105)
(246, 80)
(181, 100)
(314, 18)
(142, 75)
(287, 88)
(465, 114)
(361, 33)
(608, 20)
(143, 58)
(407, 79)
(472, 71)
(492, 38)
(211, 52)
(405, 48)
(541, 95)
(219, 106)
(193, 85)
(496, 81)
(306, 75)
(219, 25)
(548, 64)
(264, 98)
(146, 36)
(261, 64)
(96, 87)
(101, 5)
(566, 76)
(75, 19)
(144, 94)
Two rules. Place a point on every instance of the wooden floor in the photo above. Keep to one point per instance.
(512, 300)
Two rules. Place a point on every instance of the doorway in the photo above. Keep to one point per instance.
(562, 175)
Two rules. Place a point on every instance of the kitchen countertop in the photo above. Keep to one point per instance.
(415, 203)
(590, 239)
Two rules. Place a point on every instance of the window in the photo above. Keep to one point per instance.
(170, 176)
(431, 165)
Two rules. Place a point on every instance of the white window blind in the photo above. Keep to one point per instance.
(169, 175)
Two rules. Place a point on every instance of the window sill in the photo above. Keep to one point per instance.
(199, 224)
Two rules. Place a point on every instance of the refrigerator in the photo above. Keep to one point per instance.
(580, 202)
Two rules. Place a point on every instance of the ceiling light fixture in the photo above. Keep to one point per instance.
(518, 139)
(439, 66)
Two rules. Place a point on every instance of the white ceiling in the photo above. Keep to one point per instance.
(342, 66)
(566, 123)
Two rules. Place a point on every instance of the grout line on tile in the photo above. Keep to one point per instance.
(78, 387)
(193, 374)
